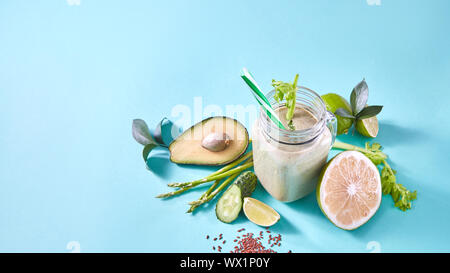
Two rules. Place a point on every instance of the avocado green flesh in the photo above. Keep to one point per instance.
(188, 149)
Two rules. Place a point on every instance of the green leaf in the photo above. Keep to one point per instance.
(374, 153)
(287, 91)
(359, 97)
(375, 147)
(157, 133)
(343, 113)
(369, 111)
(141, 133)
(146, 151)
(291, 125)
(402, 197)
(165, 132)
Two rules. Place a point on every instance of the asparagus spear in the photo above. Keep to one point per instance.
(206, 193)
(232, 164)
(172, 193)
(209, 197)
(211, 178)
(210, 194)
(218, 175)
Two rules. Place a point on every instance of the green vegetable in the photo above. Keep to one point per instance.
(229, 204)
(247, 183)
(195, 204)
(204, 195)
(287, 91)
(211, 178)
(189, 185)
(402, 197)
(209, 197)
(373, 152)
(358, 102)
(229, 173)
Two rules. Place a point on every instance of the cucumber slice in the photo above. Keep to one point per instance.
(229, 204)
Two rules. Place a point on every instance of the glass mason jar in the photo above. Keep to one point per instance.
(288, 162)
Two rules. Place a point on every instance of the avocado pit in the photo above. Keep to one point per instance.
(216, 142)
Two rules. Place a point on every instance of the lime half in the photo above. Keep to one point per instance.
(259, 212)
(333, 102)
(368, 127)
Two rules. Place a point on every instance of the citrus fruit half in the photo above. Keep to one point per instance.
(368, 127)
(259, 212)
(349, 190)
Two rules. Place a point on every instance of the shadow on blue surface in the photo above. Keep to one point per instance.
(284, 226)
(307, 204)
(393, 134)
(390, 134)
(158, 163)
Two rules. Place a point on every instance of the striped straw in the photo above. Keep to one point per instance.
(259, 96)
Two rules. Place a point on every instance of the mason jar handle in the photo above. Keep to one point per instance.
(332, 125)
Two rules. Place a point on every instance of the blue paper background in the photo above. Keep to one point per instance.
(72, 78)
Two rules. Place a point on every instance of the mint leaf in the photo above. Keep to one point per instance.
(369, 111)
(343, 113)
(359, 97)
(143, 136)
(141, 133)
(157, 133)
(147, 149)
(165, 132)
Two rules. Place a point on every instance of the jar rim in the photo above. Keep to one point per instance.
(301, 136)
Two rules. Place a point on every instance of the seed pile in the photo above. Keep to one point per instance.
(249, 243)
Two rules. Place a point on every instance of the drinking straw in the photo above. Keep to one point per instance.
(260, 98)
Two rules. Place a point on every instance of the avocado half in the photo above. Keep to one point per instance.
(188, 149)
